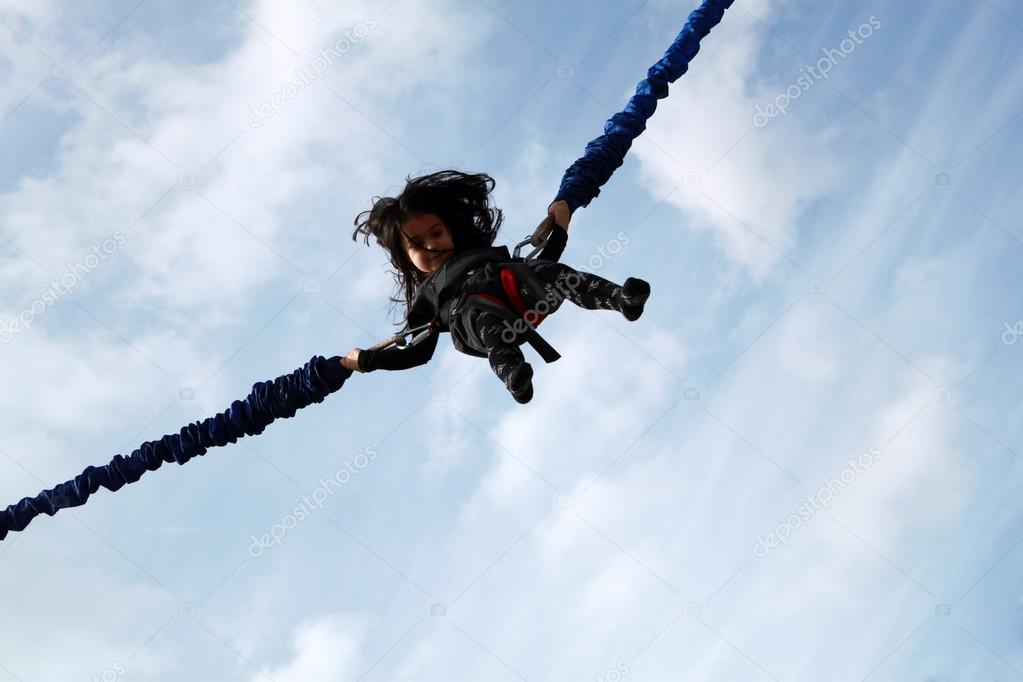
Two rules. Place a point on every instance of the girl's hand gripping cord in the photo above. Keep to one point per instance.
(351, 361)
(562, 213)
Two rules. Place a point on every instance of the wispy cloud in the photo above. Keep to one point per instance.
(835, 281)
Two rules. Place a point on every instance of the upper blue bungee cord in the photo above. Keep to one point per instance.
(582, 181)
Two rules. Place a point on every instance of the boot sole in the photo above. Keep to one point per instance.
(520, 383)
(636, 291)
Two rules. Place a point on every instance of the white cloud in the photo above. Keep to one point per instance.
(753, 183)
(684, 501)
(188, 254)
(327, 648)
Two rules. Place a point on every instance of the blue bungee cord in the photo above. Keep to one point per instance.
(282, 397)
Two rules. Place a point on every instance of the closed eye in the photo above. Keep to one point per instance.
(421, 246)
(417, 244)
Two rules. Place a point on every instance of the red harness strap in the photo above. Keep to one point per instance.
(511, 289)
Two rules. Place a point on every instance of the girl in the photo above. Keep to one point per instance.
(439, 234)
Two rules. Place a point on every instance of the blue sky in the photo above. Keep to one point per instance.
(802, 463)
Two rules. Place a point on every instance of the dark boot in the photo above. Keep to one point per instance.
(512, 369)
(520, 383)
(632, 297)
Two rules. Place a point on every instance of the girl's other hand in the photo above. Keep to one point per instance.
(561, 212)
(351, 361)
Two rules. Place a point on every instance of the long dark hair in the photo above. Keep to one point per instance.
(461, 200)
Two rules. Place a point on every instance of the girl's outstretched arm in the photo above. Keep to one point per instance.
(392, 358)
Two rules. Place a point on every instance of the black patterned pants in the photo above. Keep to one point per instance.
(502, 339)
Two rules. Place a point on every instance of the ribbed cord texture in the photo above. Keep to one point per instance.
(269, 400)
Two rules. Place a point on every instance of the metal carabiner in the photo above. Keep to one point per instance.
(399, 338)
(538, 239)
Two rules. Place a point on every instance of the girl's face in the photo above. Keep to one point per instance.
(427, 241)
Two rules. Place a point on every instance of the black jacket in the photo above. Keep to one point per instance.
(434, 298)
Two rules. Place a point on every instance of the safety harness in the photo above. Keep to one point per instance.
(438, 302)
(516, 278)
